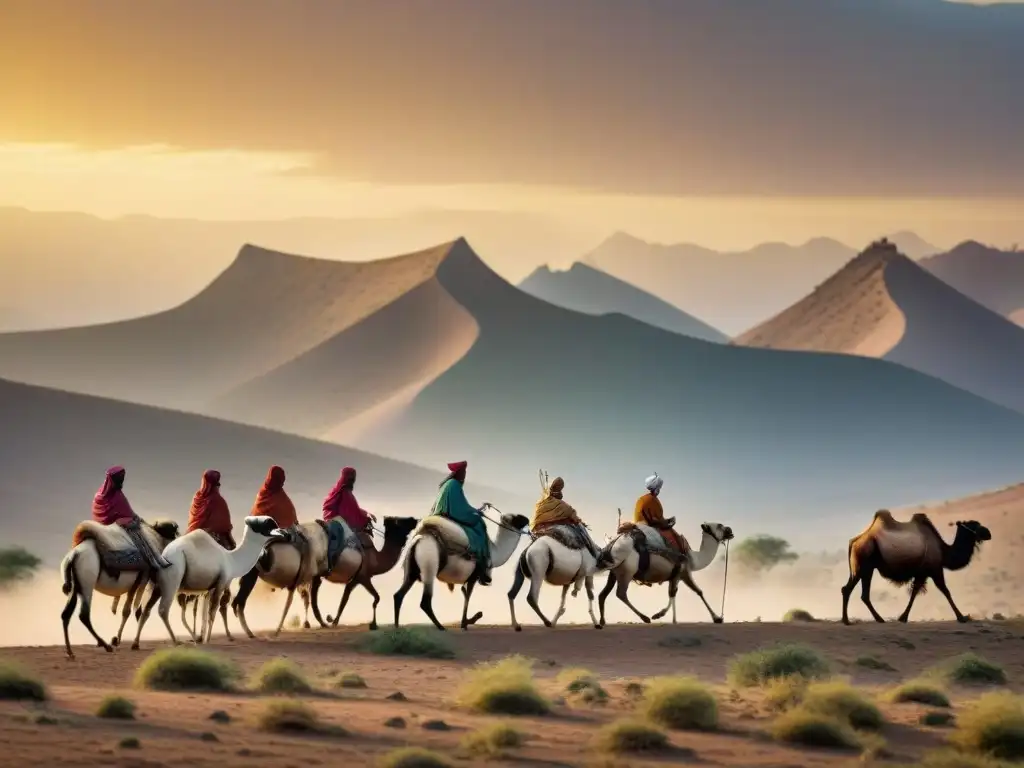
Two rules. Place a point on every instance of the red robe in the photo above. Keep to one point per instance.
(341, 502)
(209, 510)
(273, 501)
(110, 505)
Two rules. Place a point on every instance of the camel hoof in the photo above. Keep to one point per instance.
(963, 619)
(305, 625)
(658, 615)
(518, 628)
(373, 627)
(717, 619)
(476, 617)
(115, 641)
(903, 619)
(847, 622)
(602, 623)
(108, 648)
(135, 646)
(70, 655)
(599, 626)
(646, 619)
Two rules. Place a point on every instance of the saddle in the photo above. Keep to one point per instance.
(448, 547)
(568, 535)
(339, 538)
(116, 545)
(655, 541)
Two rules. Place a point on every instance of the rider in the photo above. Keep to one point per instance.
(341, 503)
(552, 510)
(110, 506)
(273, 501)
(650, 512)
(210, 512)
(451, 503)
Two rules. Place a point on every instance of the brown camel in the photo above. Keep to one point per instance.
(396, 533)
(909, 552)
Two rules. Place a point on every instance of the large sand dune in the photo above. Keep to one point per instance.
(991, 277)
(585, 289)
(881, 304)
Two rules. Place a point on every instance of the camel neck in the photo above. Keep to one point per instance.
(958, 555)
(503, 546)
(703, 557)
(388, 557)
(244, 557)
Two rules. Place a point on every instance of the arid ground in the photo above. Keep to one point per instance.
(175, 729)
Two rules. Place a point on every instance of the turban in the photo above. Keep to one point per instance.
(557, 485)
(653, 483)
(456, 466)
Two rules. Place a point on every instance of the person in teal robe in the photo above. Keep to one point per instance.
(451, 503)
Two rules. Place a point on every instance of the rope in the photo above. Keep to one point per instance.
(502, 525)
(725, 579)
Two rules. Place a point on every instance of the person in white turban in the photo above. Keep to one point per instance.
(649, 511)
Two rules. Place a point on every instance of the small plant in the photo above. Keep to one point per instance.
(17, 564)
(785, 692)
(129, 743)
(993, 726)
(842, 701)
(584, 684)
(771, 663)
(634, 688)
(971, 669)
(116, 708)
(187, 669)
(680, 703)
(798, 614)
(875, 663)
(288, 716)
(938, 718)
(351, 680)
(505, 687)
(493, 740)
(631, 736)
(813, 729)
(424, 642)
(918, 692)
(949, 759)
(281, 676)
(16, 684)
(413, 757)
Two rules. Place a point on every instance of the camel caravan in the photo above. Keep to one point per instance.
(118, 554)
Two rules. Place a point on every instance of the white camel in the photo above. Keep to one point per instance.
(546, 559)
(622, 560)
(84, 573)
(201, 566)
(429, 560)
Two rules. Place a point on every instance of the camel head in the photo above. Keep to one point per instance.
(717, 531)
(975, 530)
(514, 521)
(165, 529)
(265, 527)
(398, 529)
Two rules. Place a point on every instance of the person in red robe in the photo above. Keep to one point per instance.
(273, 501)
(341, 502)
(210, 512)
(110, 507)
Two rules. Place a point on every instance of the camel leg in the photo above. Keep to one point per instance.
(589, 584)
(940, 581)
(536, 580)
(314, 597)
(195, 612)
(213, 600)
(137, 585)
(68, 612)
(304, 594)
(865, 593)
(467, 592)
(165, 613)
(183, 601)
(403, 590)
(847, 590)
(917, 586)
(368, 586)
(561, 606)
(113, 605)
(84, 615)
(621, 593)
(344, 601)
(245, 587)
(670, 605)
(284, 615)
(427, 605)
(224, 600)
(687, 578)
(517, 584)
(608, 587)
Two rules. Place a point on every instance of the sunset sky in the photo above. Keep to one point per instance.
(719, 121)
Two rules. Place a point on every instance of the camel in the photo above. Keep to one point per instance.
(429, 560)
(184, 601)
(199, 565)
(621, 558)
(549, 559)
(909, 552)
(354, 568)
(84, 571)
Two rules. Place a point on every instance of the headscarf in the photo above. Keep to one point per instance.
(273, 501)
(209, 510)
(654, 483)
(555, 489)
(345, 482)
(110, 504)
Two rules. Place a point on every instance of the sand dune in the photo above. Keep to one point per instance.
(991, 277)
(881, 304)
(585, 289)
(55, 446)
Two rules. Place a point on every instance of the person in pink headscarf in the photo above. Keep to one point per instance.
(110, 507)
(341, 503)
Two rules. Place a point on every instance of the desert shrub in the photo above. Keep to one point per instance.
(505, 687)
(680, 703)
(413, 757)
(770, 663)
(950, 759)
(17, 684)
(351, 680)
(17, 564)
(843, 701)
(936, 718)
(971, 669)
(634, 688)
(785, 692)
(582, 683)
(630, 736)
(287, 716)
(813, 729)
(129, 742)
(116, 708)
(994, 726)
(797, 614)
(875, 663)
(186, 669)
(763, 552)
(493, 740)
(281, 676)
(424, 642)
(918, 692)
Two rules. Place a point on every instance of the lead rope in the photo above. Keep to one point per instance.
(725, 579)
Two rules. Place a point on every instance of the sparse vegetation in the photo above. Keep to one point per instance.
(187, 669)
(288, 716)
(785, 692)
(505, 687)
(351, 680)
(680, 703)
(798, 614)
(281, 676)
(584, 684)
(993, 726)
(16, 684)
(784, 660)
(635, 688)
(493, 740)
(116, 708)
(919, 692)
(130, 743)
(874, 663)
(971, 669)
(950, 759)
(424, 642)
(413, 757)
(631, 736)
(762, 553)
(844, 702)
(16, 565)
(813, 729)
(938, 718)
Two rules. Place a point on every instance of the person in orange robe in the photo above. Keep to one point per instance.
(210, 512)
(274, 502)
(650, 512)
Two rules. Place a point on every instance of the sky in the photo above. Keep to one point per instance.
(665, 118)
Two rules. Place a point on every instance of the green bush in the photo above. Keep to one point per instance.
(949, 759)
(938, 718)
(993, 726)
(785, 692)
(798, 614)
(680, 703)
(918, 692)
(493, 740)
(773, 662)
(116, 708)
(187, 669)
(842, 701)
(505, 687)
(17, 564)
(584, 684)
(413, 757)
(423, 642)
(631, 736)
(351, 680)
(281, 676)
(813, 729)
(288, 716)
(873, 662)
(16, 684)
(971, 669)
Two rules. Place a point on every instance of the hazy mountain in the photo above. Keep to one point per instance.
(989, 276)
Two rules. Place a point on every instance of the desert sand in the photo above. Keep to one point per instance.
(173, 729)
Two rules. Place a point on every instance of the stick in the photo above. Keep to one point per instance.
(725, 579)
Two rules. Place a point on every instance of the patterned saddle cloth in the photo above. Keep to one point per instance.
(656, 543)
(571, 536)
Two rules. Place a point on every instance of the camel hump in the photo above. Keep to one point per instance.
(884, 516)
(111, 537)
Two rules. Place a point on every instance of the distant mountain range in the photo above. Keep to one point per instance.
(991, 277)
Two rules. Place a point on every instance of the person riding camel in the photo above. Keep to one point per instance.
(273, 501)
(210, 512)
(650, 512)
(110, 507)
(341, 504)
(552, 510)
(451, 503)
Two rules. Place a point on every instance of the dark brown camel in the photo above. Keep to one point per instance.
(909, 552)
